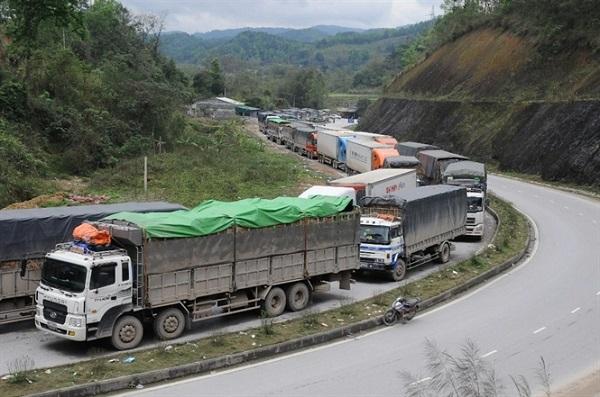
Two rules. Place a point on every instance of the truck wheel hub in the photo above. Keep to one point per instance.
(171, 324)
(127, 333)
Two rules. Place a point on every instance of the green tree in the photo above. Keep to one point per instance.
(217, 81)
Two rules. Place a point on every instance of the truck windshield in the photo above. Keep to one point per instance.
(474, 204)
(63, 275)
(370, 234)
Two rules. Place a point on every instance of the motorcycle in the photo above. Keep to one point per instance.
(403, 309)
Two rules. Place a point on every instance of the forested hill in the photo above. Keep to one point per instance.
(370, 55)
(515, 83)
(80, 88)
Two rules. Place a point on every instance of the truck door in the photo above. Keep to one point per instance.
(103, 291)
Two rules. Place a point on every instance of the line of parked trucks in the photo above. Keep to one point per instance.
(170, 267)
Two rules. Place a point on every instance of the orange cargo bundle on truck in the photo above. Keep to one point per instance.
(379, 156)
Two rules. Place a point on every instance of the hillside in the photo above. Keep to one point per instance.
(498, 96)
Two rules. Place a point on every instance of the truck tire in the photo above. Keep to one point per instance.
(444, 255)
(169, 324)
(127, 333)
(274, 303)
(297, 296)
(399, 271)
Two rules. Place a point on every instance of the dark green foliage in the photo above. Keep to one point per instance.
(84, 87)
(304, 88)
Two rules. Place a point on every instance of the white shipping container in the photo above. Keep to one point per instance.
(384, 182)
(327, 143)
(359, 155)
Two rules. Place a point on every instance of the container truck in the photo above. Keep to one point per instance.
(274, 127)
(384, 182)
(434, 162)
(333, 191)
(173, 269)
(473, 176)
(412, 229)
(379, 138)
(365, 155)
(331, 147)
(412, 148)
(28, 234)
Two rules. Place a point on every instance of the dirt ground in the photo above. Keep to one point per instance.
(588, 386)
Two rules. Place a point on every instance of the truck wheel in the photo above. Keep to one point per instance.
(274, 303)
(127, 333)
(444, 255)
(399, 271)
(169, 324)
(298, 296)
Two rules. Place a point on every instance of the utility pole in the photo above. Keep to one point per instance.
(145, 174)
(432, 15)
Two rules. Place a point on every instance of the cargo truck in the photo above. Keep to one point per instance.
(473, 176)
(412, 229)
(274, 127)
(384, 182)
(28, 234)
(432, 164)
(331, 147)
(412, 148)
(365, 155)
(173, 269)
(379, 138)
(305, 141)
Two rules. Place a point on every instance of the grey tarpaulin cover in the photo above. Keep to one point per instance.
(427, 211)
(466, 169)
(434, 162)
(400, 162)
(412, 148)
(33, 232)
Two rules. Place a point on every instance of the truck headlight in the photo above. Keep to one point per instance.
(75, 322)
(380, 260)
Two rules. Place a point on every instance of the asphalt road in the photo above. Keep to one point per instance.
(49, 350)
(548, 307)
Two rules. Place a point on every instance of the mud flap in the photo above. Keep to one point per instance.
(345, 280)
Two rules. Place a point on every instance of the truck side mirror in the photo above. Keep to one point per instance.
(23, 268)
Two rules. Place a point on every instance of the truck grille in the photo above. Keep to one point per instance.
(367, 260)
(55, 312)
(470, 221)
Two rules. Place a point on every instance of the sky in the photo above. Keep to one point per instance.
(205, 15)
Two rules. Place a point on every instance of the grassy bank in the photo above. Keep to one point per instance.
(212, 160)
(511, 238)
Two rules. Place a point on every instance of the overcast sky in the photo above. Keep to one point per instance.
(205, 15)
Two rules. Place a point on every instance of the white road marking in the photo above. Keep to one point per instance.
(489, 354)
(537, 331)
(552, 201)
(421, 381)
(597, 293)
(536, 196)
(575, 310)
(580, 214)
(565, 207)
(519, 191)
(594, 221)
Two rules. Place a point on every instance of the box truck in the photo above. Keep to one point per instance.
(411, 229)
(412, 148)
(432, 164)
(172, 269)
(333, 191)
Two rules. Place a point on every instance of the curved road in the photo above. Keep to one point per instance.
(549, 306)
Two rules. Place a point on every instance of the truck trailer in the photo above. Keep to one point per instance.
(331, 147)
(384, 182)
(366, 155)
(434, 162)
(28, 234)
(173, 269)
(401, 162)
(412, 148)
(412, 229)
(473, 176)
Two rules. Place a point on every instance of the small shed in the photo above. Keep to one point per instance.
(217, 108)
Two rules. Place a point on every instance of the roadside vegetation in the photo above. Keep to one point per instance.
(511, 239)
(209, 160)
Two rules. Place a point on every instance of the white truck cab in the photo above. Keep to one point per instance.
(81, 292)
(382, 245)
(475, 212)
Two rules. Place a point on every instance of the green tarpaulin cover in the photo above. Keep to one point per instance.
(215, 216)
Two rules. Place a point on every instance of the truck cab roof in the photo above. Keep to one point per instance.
(71, 253)
(376, 221)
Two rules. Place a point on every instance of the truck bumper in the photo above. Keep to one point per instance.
(375, 266)
(64, 330)
(474, 230)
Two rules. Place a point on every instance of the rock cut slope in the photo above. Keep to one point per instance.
(492, 95)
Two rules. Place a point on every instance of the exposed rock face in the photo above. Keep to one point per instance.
(488, 95)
